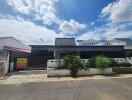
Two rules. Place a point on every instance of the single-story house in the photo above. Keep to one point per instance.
(115, 48)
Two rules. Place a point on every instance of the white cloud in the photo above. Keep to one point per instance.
(42, 9)
(88, 35)
(11, 17)
(122, 34)
(22, 6)
(107, 32)
(2, 16)
(119, 11)
(27, 32)
(71, 27)
(45, 11)
(118, 16)
(23, 28)
(117, 32)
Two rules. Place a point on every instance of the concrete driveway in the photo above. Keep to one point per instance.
(102, 89)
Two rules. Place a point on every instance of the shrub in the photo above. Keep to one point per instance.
(73, 63)
(114, 63)
(92, 62)
(102, 62)
(87, 65)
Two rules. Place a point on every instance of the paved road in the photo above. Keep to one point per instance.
(102, 89)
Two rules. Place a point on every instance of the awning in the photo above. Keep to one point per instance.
(17, 49)
(12, 44)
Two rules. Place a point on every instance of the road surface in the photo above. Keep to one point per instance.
(98, 89)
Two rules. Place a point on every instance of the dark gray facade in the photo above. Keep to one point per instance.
(60, 51)
(68, 46)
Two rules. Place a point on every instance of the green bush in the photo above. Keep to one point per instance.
(105, 62)
(73, 63)
(102, 62)
(92, 62)
(114, 63)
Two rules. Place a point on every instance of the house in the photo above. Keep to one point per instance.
(9, 47)
(85, 48)
(115, 48)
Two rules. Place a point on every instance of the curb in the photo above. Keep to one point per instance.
(84, 78)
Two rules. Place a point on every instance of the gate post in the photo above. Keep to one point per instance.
(46, 72)
(47, 66)
(46, 69)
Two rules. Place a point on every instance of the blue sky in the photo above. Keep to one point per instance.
(41, 21)
(84, 11)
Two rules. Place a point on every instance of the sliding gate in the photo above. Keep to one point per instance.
(31, 63)
(37, 63)
(36, 60)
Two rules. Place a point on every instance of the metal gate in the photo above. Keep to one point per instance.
(32, 63)
(37, 63)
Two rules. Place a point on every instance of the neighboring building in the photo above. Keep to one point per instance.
(128, 46)
(92, 42)
(9, 48)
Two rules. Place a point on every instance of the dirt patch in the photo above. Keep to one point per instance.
(19, 79)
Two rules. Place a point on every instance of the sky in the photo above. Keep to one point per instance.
(39, 22)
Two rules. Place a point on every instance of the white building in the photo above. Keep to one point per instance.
(92, 42)
(8, 45)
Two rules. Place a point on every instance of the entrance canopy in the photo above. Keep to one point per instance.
(12, 44)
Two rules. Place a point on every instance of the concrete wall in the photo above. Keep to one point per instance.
(120, 60)
(91, 71)
(6, 63)
(4, 60)
(124, 60)
(55, 62)
(129, 60)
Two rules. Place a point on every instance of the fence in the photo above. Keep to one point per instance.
(58, 63)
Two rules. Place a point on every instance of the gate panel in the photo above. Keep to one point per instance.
(37, 63)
